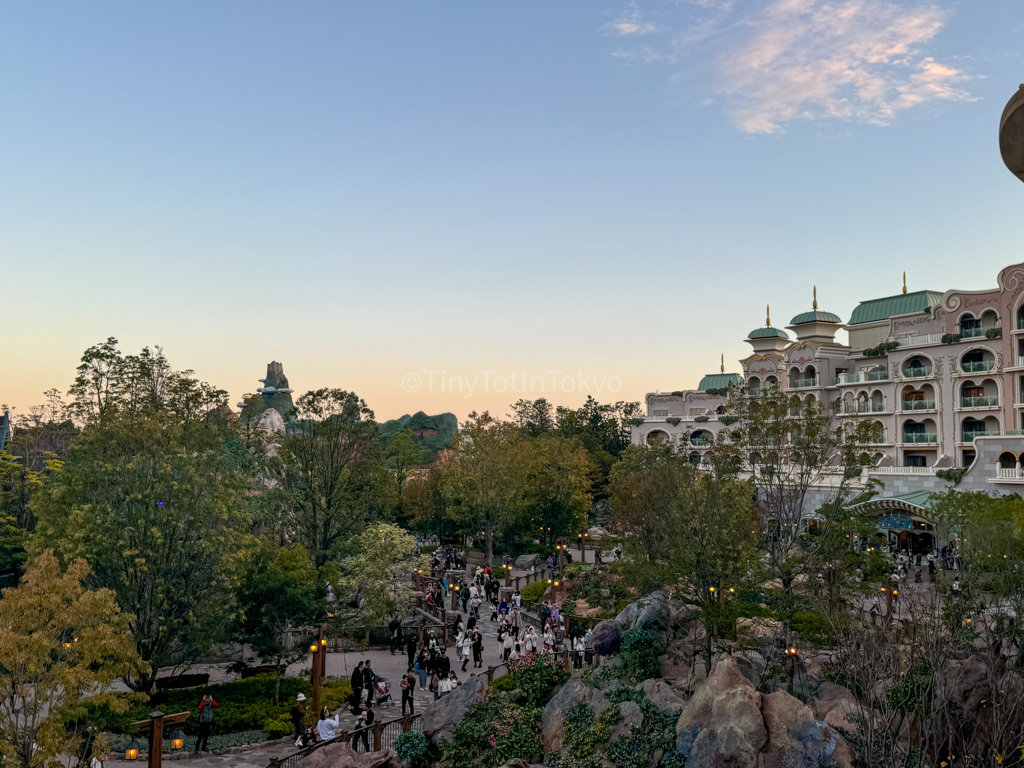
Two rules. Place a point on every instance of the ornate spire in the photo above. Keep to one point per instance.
(904, 282)
(723, 362)
(768, 319)
(815, 305)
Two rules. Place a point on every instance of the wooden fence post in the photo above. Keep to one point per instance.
(490, 675)
(378, 732)
(406, 723)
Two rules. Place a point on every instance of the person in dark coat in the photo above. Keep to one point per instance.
(357, 679)
(443, 665)
(410, 649)
(298, 716)
(206, 706)
(368, 680)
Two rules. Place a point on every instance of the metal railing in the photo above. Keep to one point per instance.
(918, 405)
(802, 383)
(876, 376)
(381, 735)
(918, 372)
(974, 333)
(918, 341)
(920, 437)
(977, 366)
(902, 470)
(968, 436)
(979, 401)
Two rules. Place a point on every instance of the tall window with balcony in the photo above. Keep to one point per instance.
(919, 432)
(977, 361)
(917, 367)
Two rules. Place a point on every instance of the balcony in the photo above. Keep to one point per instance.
(919, 405)
(979, 401)
(969, 435)
(977, 366)
(1014, 432)
(701, 442)
(864, 408)
(902, 470)
(918, 341)
(855, 378)
(917, 373)
(974, 333)
(920, 437)
(802, 383)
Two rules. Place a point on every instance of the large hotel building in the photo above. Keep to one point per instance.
(941, 375)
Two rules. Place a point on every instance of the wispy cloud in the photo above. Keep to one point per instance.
(787, 60)
(631, 23)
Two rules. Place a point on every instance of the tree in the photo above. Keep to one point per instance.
(403, 453)
(644, 488)
(559, 474)
(485, 482)
(375, 581)
(276, 595)
(806, 464)
(533, 417)
(62, 646)
(150, 497)
(334, 473)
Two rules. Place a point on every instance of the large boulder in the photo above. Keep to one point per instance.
(752, 664)
(722, 724)
(340, 755)
(526, 562)
(728, 724)
(649, 612)
(661, 695)
(608, 637)
(632, 717)
(568, 696)
(438, 719)
(837, 706)
(757, 628)
(796, 739)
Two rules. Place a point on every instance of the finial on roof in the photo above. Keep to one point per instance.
(768, 312)
(904, 282)
(723, 362)
(815, 306)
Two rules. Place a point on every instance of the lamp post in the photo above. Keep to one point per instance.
(319, 654)
(153, 729)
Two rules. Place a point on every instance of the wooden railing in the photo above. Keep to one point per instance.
(381, 735)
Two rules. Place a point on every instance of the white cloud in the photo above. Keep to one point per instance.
(632, 24)
(857, 60)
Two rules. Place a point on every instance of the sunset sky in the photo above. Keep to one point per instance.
(371, 192)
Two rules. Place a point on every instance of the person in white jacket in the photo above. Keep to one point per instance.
(327, 725)
(530, 641)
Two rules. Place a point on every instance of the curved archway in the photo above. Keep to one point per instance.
(656, 436)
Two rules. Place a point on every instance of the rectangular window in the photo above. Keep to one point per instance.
(915, 460)
(662, 412)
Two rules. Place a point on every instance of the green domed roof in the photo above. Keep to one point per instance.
(816, 316)
(768, 333)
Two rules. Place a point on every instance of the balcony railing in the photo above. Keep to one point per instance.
(970, 435)
(977, 366)
(974, 333)
(1014, 473)
(700, 442)
(918, 341)
(802, 383)
(854, 378)
(864, 407)
(918, 405)
(979, 401)
(916, 373)
(902, 470)
(920, 437)
(1014, 432)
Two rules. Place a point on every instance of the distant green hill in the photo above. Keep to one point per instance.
(432, 432)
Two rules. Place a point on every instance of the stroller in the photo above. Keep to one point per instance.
(383, 692)
(309, 737)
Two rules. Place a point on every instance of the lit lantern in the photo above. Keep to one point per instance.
(131, 751)
(313, 648)
(177, 739)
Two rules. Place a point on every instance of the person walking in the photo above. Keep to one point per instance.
(357, 680)
(396, 634)
(507, 645)
(421, 668)
(408, 686)
(298, 716)
(410, 649)
(369, 678)
(206, 706)
(516, 622)
(364, 735)
(444, 664)
(478, 649)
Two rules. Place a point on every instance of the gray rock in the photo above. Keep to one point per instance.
(752, 665)
(796, 739)
(632, 717)
(722, 723)
(526, 562)
(608, 637)
(649, 612)
(568, 696)
(438, 719)
(340, 755)
(661, 695)
(609, 685)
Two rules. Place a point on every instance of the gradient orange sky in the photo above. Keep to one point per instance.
(368, 193)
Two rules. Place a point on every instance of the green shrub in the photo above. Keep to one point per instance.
(534, 591)
(537, 677)
(624, 693)
(493, 732)
(504, 683)
(640, 653)
(953, 475)
(994, 333)
(413, 748)
(951, 338)
(657, 732)
(812, 625)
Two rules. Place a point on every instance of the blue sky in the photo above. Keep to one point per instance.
(370, 192)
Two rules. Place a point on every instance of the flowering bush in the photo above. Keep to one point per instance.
(412, 747)
(494, 732)
(537, 676)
